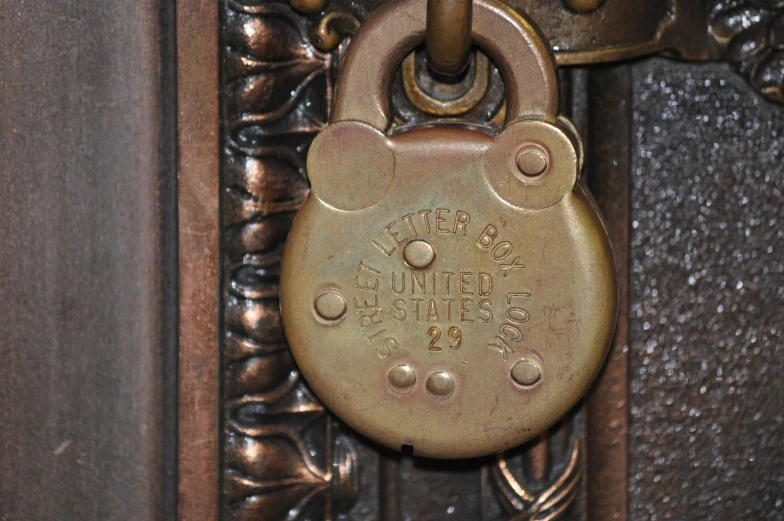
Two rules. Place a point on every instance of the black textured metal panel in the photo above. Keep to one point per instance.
(707, 292)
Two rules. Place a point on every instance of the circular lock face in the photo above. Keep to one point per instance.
(442, 317)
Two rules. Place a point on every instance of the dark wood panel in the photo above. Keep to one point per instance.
(82, 261)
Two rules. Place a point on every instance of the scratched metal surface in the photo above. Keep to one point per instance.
(707, 292)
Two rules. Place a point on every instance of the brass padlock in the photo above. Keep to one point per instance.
(443, 288)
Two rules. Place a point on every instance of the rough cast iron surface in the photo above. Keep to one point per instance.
(707, 292)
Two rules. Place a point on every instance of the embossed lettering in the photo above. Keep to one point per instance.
(448, 302)
(502, 347)
(510, 296)
(486, 315)
(514, 265)
(485, 284)
(407, 218)
(426, 218)
(464, 311)
(416, 282)
(432, 312)
(416, 302)
(366, 305)
(488, 235)
(453, 334)
(447, 275)
(461, 219)
(399, 306)
(436, 334)
(402, 284)
(373, 337)
(393, 235)
(366, 321)
(501, 251)
(440, 220)
(363, 266)
(365, 286)
(464, 283)
(517, 315)
(386, 349)
(382, 250)
(517, 335)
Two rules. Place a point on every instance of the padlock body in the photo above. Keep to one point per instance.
(427, 352)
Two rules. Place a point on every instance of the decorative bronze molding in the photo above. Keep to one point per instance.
(282, 458)
(548, 503)
(750, 34)
(589, 31)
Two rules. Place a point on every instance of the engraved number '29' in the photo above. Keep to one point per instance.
(454, 334)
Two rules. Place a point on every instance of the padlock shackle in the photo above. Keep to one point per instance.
(512, 41)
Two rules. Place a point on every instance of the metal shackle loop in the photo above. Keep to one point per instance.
(512, 40)
(448, 35)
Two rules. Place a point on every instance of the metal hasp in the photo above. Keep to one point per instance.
(447, 288)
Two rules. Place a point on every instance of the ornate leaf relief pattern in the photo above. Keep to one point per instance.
(284, 458)
(545, 500)
(751, 34)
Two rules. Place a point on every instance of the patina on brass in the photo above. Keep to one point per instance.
(487, 296)
(532, 160)
(332, 28)
(446, 99)
(418, 254)
(448, 38)
(526, 373)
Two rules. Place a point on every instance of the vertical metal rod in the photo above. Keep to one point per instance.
(448, 35)
(389, 487)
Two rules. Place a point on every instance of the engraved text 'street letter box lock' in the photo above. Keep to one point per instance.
(442, 287)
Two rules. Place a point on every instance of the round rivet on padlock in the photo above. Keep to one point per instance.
(419, 254)
(330, 305)
(402, 378)
(440, 385)
(532, 160)
(537, 174)
(526, 373)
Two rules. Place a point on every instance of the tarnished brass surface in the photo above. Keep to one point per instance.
(521, 54)
(331, 30)
(445, 99)
(481, 299)
(448, 39)
(594, 31)
(579, 32)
